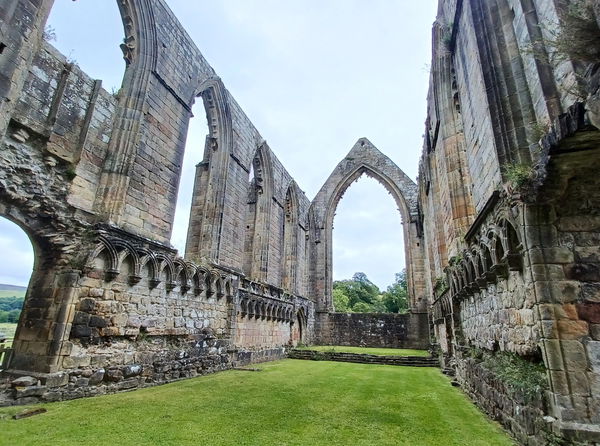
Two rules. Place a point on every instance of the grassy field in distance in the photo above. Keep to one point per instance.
(12, 290)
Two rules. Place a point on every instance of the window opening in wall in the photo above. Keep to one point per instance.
(289, 249)
(195, 145)
(368, 251)
(16, 264)
(89, 34)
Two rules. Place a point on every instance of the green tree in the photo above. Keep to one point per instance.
(11, 303)
(360, 295)
(340, 301)
(13, 316)
(362, 307)
(358, 289)
(395, 298)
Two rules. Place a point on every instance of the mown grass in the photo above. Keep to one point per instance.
(289, 402)
(367, 350)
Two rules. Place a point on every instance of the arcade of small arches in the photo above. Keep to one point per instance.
(177, 274)
(490, 256)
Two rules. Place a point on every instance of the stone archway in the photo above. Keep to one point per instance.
(298, 329)
(364, 158)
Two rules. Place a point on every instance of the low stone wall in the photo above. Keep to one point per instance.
(244, 357)
(413, 361)
(522, 416)
(149, 366)
(374, 330)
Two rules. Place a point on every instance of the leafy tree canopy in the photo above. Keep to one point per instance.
(360, 295)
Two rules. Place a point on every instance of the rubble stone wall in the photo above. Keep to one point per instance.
(375, 330)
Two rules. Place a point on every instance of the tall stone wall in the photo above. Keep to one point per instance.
(92, 178)
(508, 202)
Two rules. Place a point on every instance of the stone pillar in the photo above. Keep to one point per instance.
(43, 332)
(568, 313)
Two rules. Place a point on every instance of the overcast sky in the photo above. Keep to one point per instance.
(313, 76)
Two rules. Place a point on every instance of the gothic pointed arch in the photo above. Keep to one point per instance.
(203, 240)
(140, 52)
(258, 215)
(289, 250)
(365, 158)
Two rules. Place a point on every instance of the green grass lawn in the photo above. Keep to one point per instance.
(368, 350)
(289, 402)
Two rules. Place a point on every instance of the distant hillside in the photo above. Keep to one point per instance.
(5, 287)
(12, 290)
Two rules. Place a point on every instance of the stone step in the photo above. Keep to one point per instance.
(412, 361)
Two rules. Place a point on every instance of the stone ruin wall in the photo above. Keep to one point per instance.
(92, 178)
(513, 264)
(376, 330)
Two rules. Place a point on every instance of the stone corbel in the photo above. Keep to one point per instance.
(153, 283)
(490, 276)
(514, 261)
(134, 279)
(500, 270)
(111, 274)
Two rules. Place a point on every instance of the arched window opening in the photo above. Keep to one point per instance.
(289, 250)
(368, 251)
(515, 260)
(487, 258)
(499, 248)
(16, 265)
(258, 217)
(89, 34)
(197, 138)
(253, 192)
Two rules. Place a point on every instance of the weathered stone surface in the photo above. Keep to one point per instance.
(97, 377)
(519, 255)
(24, 381)
(23, 392)
(132, 370)
(375, 330)
(114, 375)
(589, 312)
